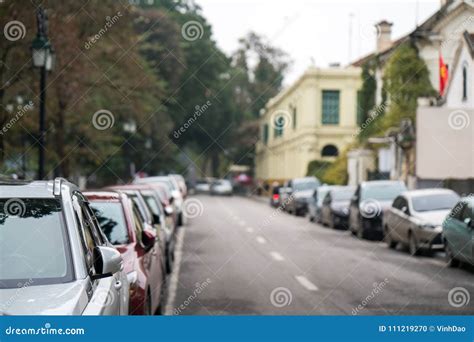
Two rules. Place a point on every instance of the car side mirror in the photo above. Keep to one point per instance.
(107, 261)
(148, 240)
(168, 211)
(405, 210)
(354, 199)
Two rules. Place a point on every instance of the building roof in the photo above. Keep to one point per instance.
(419, 31)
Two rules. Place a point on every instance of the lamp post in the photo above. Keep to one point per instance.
(43, 58)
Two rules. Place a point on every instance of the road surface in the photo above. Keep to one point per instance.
(239, 256)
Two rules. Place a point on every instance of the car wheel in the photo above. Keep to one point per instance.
(391, 243)
(311, 218)
(450, 259)
(169, 261)
(413, 245)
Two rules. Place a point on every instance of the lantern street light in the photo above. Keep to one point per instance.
(43, 58)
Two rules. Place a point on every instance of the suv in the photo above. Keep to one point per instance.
(299, 192)
(52, 249)
(368, 204)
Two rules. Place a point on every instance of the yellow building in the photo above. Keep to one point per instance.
(314, 119)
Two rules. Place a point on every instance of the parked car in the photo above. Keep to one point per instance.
(299, 193)
(458, 233)
(335, 208)
(120, 221)
(221, 187)
(173, 187)
(181, 183)
(416, 217)
(151, 215)
(275, 200)
(368, 204)
(54, 251)
(316, 202)
(203, 186)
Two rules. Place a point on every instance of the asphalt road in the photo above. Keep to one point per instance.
(241, 257)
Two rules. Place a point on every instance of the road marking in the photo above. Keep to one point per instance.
(277, 256)
(306, 283)
(174, 277)
(261, 239)
(250, 230)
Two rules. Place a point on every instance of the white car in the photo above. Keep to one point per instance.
(173, 187)
(221, 187)
(54, 259)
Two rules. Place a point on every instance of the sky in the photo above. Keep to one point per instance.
(313, 32)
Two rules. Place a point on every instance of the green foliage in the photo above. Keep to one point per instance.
(367, 98)
(406, 78)
(317, 168)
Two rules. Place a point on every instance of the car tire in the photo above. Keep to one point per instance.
(413, 245)
(311, 218)
(169, 261)
(147, 305)
(391, 243)
(450, 259)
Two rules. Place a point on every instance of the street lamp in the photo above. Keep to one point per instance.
(43, 58)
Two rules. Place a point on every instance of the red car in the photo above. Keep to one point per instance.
(120, 221)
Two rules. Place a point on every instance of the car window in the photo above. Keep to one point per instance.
(33, 242)
(111, 219)
(467, 213)
(138, 223)
(382, 192)
(434, 202)
(457, 211)
(397, 203)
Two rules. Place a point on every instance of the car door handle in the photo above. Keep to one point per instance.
(118, 285)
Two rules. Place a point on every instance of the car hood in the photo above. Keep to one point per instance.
(340, 205)
(56, 299)
(435, 218)
(303, 194)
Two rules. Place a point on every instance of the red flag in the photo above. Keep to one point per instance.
(443, 75)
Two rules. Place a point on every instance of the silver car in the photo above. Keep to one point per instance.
(54, 259)
(416, 217)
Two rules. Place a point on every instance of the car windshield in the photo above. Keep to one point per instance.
(342, 195)
(434, 202)
(322, 192)
(309, 185)
(152, 204)
(33, 243)
(382, 192)
(112, 221)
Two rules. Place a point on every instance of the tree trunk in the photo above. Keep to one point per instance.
(215, 163)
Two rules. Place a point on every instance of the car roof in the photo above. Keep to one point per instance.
(103, 195)
(380, 182)
(305, 179)
(36, 189)
(425, 192)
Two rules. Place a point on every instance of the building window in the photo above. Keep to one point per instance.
(278, 126)
(359, 111)
(330, 107)
(329, 151)
(265, 134)
(464, 82)
(294, 116)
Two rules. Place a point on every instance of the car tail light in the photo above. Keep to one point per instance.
(276, 197)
